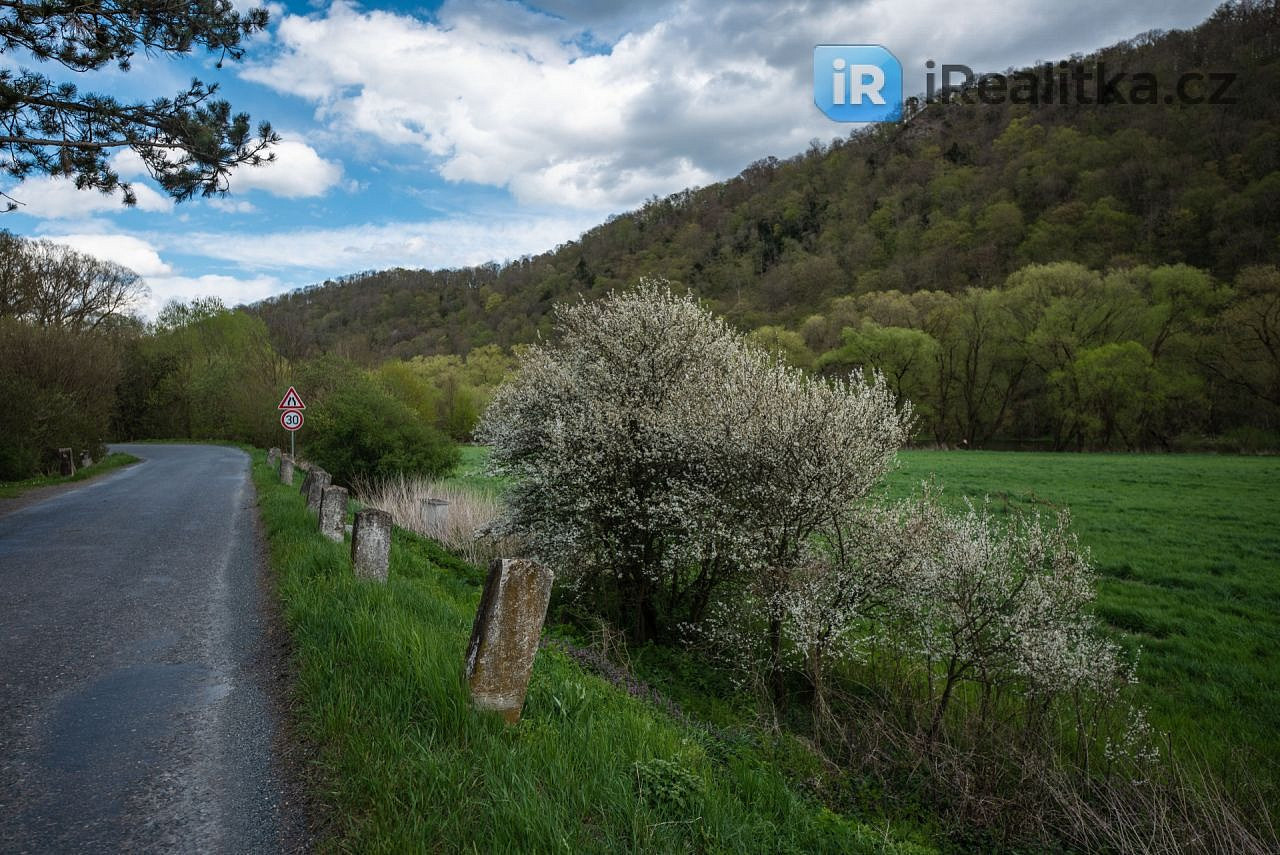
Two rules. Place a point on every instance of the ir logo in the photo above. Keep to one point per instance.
(857, 83)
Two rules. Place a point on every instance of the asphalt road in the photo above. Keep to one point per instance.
(140, 673)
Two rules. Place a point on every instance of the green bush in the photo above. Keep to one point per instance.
(360, 430)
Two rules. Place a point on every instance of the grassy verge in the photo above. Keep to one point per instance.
(405, 764)
(13, 489)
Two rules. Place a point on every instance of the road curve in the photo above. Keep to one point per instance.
(138, 681)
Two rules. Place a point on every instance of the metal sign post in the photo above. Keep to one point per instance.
(291, 416)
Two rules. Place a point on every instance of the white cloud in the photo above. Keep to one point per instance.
(507, 100)
(164, 283)
(297, 171)
(230, 206)
(449, 242)
(57, 198)
(232, 290)
(499, 93)
(133, 252)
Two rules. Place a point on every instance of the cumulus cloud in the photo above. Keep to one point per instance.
(298, 171)
(600, 105)
(57, 198)
(163, 282)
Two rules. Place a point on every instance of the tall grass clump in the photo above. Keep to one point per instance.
(464, 527)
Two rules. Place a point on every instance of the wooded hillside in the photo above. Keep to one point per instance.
(906, 244)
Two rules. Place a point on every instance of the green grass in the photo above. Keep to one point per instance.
(470, 471)
(404, 764)
(1187, 549)
(12, 489)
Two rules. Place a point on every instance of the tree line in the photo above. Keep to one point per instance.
(79, 367)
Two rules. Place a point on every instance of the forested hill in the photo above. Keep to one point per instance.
(960, 196)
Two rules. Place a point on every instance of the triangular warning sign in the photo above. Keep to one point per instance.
(291, 401)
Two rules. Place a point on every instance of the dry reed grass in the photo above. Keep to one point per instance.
(462, 526)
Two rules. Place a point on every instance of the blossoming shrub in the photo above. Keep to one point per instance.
(657, 458)
(1001, 607)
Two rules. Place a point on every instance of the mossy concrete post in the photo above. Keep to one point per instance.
(371, 544)
(315, 490)
(333, 512)
(504, 637)
(273, 457)
(286, 470)
(66, 462)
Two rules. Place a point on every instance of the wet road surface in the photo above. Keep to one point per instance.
(139, 674)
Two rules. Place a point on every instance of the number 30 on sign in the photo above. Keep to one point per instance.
(291, 419)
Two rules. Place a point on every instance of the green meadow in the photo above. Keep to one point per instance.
(1187, 549)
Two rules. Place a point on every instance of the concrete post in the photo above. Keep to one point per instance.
(315, 492)
(504, 637)
(371, 544)
(66, 462)
(435, 515)
(333, 512)
(286, 470)
(273, 457)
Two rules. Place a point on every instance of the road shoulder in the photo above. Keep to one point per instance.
(38, 493)
(278, 671)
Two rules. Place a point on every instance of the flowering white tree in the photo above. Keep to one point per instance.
(592, 429)
(657, 455)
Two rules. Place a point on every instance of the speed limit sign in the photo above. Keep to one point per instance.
(291, 419)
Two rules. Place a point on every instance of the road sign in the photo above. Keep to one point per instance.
(291, 419)
(291, 401)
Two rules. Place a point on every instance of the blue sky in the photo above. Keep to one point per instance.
(438, 136)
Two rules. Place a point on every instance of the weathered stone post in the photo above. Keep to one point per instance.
(273, 457)
(333, 512)
(86, 459)
(286, 470)
(315, 492)
(435, 514)
(371, 544)
(504, 637)
(66, 462)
